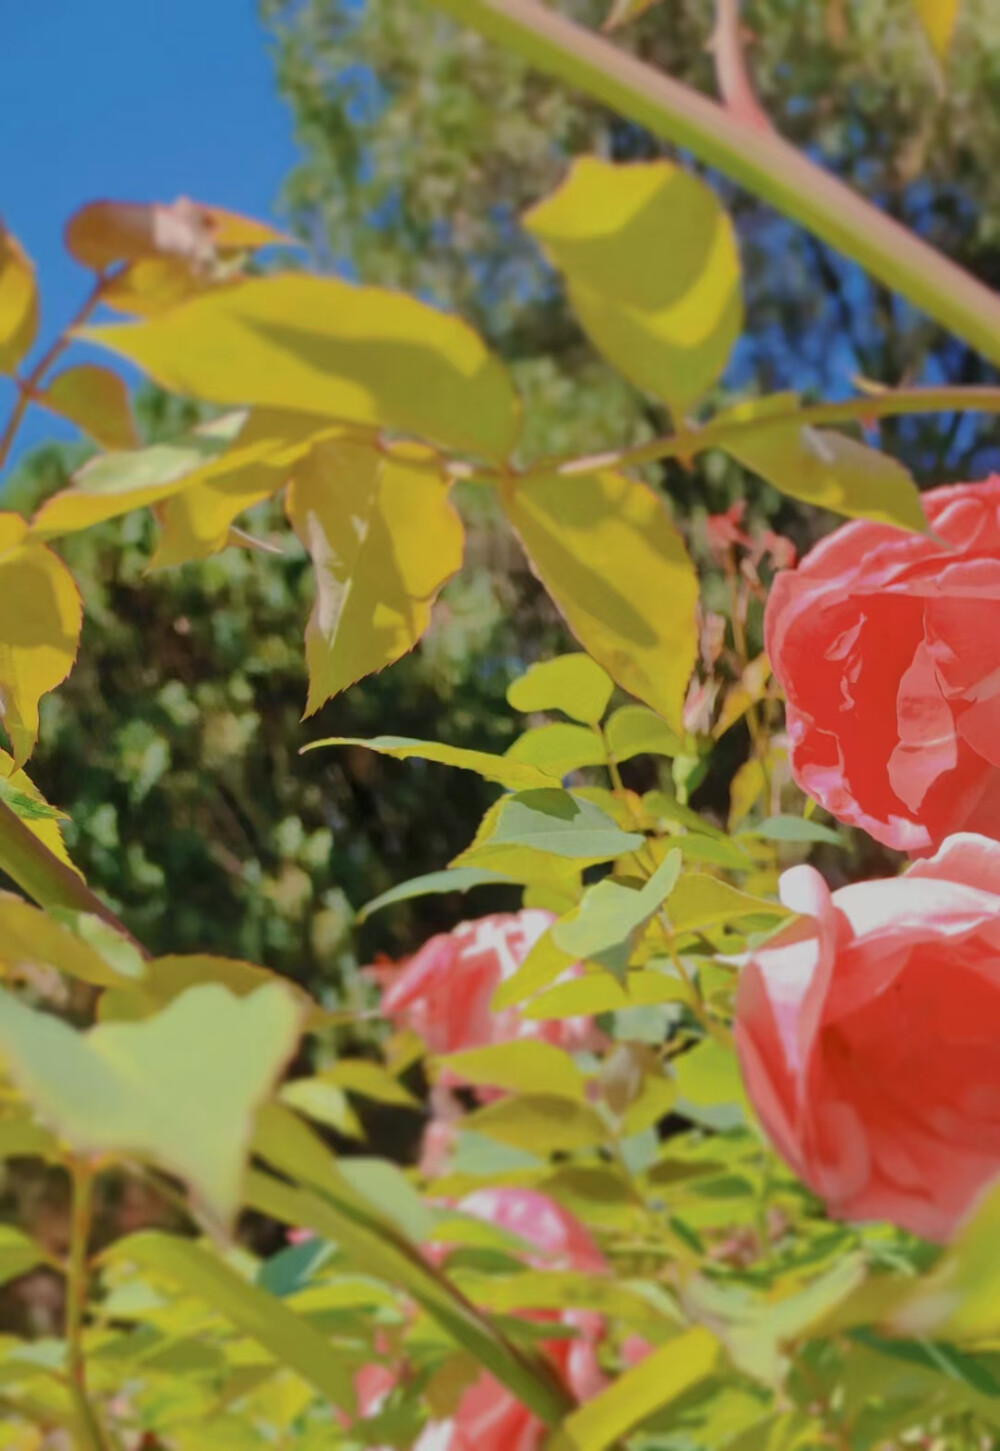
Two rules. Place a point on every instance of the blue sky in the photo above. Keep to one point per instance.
(136, 100)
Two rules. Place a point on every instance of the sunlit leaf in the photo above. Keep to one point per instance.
(709, 1074)
(639, 1394)
(18, 1254)
(793, 828)
(601, 992)
(262, 1316)
(324, 1103)
(556, 822)
(574, 684)
(40, 619)
(369, 1080)
(452, 879)
(748, 785)
(652, 269)
(939, 18)
(23, 797)
(544, 963)
(522, 1066)
(322, 346)
(541, 1123)
(18, 302)
(825, 468)
(612, 916)
(97, 401)
(558, 748)
(635, 731)
(605, 550)
(180, 1088)
(699, 901)
(29, 935)
(164, 979)
(516, 775)
(384, 538)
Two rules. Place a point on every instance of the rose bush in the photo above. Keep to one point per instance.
(887, 648)
(869, 1037)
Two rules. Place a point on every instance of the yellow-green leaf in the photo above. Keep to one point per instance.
(825, 468)
(652, 269)
(558, 748)
(523, 1066)
(165, 979)
(539, 1122)
(289, 1338)
(600, 992)
(699, 901)
(638, 1395)
(544, 963)
(180, 1088)
(23, 797)
(574, 684)
(40, 618)
(18, 1254)
(97, 401)
(709, 1074)
(605, 550)
(457, 879)
(939, 18)
(555, 822)
(516, 775)
(30, 936)
(369, 1080)
(635, 731)
(319, 345)
(18, 302)
(612, 917)
(384, 539)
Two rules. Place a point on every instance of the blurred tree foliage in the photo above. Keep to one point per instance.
(174, 744)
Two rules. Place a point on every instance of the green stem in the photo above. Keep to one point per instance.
(77, 1279)
(764, 163)
(724, 431)
(50, 882)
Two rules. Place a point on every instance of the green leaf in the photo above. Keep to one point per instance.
(521, 1066)
(601, 992)
(558, 748)
(640, 1394)
(960, 1299)
(29, 935)
(384, 539)
(709, 1074)
(263, 1317)
(18, 1254)
(452, 879)
(544, 963)
(318, 345)
(18, 303)
(612, 917)
(700, 901)
(605, 550)
(40, 617)
(793, 828)
(334, 1209)
(574, 684)
(179, 1089)
(515, 775)
(555, 822)
(652, 270)
(97, 401)
(825, 468)
(635, 731)
(541, 1123)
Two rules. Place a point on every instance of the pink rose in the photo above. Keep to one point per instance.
(869, 1037)
(444, 991)
(887, 645)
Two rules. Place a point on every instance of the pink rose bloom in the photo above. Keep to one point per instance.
(868, 1032)
(444, 991)
(887, 645)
